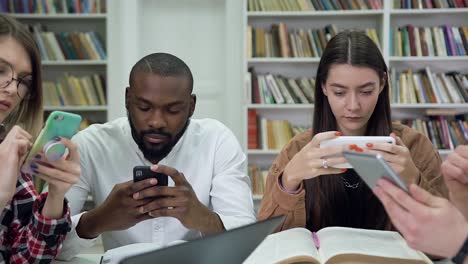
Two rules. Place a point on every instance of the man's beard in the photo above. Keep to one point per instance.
(159, 153)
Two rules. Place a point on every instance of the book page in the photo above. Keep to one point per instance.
(288, 244)
(340, 240)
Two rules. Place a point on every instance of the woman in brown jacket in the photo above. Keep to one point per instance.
(352, 99)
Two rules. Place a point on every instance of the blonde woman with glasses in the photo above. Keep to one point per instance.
(32, 226)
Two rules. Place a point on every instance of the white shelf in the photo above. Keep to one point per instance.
(430, 106)
(77, 108)
(428, 11)
(282, 60)
(263, 152)
(257, 197)
(459, 106)
(59, 16)
(428, 59)
(314, 13)
(280, 106)
(74, 62)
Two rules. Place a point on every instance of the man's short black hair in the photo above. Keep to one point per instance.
(163, 64)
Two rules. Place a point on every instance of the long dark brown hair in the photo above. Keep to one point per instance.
(28, 113)
(328, 201)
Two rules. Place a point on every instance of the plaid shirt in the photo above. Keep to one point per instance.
(26, 236)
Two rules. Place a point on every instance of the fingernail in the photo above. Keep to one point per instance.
(357, 149)
(57, 138)
(136, 195)
(153, 181)
(33, 166)
(369, 145)
(343, 170)
(142, 210)
(38, 156)
(337, 133)
(352, 146)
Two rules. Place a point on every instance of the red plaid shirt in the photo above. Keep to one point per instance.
(26, 236)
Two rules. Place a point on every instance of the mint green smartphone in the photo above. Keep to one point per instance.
(58, 124)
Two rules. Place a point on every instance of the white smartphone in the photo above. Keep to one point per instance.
(360, 141)
(372, 167)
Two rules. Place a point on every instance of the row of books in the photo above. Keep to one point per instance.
(258, 177)
(269, 134)
(312, 5)
(276, 89)
(444, 132)
(69, 90)
(424, 86)
(421, 4)
(53, 6)
(279, 42)
(68, 45)
(443, 40)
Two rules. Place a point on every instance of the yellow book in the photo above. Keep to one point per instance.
(98, 85)
(78, 91)
(334, 245)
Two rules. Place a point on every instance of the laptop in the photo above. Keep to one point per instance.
(232, 246)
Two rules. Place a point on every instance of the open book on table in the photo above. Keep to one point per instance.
(335, 245)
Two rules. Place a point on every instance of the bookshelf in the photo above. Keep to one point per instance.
(55, 68)
(383, 20)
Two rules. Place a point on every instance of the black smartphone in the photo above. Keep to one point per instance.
(144, 172)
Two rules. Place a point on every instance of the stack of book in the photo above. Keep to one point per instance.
(269, 134)
(444, 132)
(312, 5)
(296, 43)
(53, 6)
(276, 89)
(442, 40)
(258, 178)
(424, 86)
(69, 90)
(68, 45)
(422, 4)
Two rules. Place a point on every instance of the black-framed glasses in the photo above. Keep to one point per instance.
(23, 84)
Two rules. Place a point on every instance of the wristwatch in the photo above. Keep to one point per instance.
(462, 254)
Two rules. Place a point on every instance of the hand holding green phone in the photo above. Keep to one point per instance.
(58, 124)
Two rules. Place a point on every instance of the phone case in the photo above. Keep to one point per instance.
(58, 124)
(372, 167)
(360, 141)
(144, 172)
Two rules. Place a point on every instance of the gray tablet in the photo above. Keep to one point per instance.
(373, 167)
(233, 246)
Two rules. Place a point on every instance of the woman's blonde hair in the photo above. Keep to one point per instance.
(28, 114)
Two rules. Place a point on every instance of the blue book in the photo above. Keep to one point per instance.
(3, 6)
(98, 44)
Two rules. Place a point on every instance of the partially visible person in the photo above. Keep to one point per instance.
(351, 99)
(455, 171)
(208, 190)
(32, 226)
(428, 223)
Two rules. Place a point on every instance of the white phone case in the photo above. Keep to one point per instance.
(360, 141)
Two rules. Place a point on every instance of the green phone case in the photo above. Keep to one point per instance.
(58, 124)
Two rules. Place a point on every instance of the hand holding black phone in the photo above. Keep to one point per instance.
(144, 172)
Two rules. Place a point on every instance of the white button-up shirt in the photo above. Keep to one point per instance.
(209, 156)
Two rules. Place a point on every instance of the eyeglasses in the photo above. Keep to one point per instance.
(23, 84)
